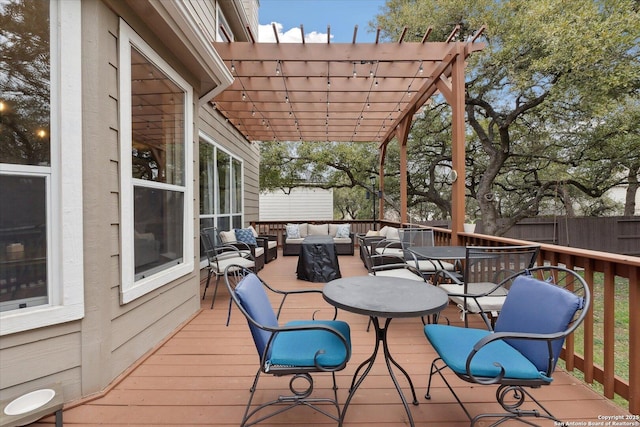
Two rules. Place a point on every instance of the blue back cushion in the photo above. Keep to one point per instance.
(535, 306)
(254, 300)
(245, 235)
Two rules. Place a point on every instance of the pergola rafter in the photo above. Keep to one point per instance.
(342, 92)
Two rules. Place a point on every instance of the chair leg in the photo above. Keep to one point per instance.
(215, 290)
(512, 407)
(206, 284)
(300, 396)
(438, 369)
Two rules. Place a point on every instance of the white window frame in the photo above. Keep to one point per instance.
(131, 288)
(65, 267)
(215, 215)
(221, 21)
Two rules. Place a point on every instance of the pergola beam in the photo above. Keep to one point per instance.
(347, 92)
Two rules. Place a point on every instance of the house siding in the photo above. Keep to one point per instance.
(86, 356)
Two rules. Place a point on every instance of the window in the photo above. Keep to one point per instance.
(41, 270)
(156, 141)
(220, 187)
(227, 34)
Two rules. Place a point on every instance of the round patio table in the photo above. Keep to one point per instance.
(384, 297)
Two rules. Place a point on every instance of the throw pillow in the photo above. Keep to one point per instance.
(293, 232)
(228, 236)
(372, 233)
(253, 231)
(245, 235)
(318, 229)
(393, 234)
(343, 230)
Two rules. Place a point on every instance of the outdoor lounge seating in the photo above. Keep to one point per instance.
(482, 288)
(246, 239)
(295, 234)
(543, 307)
(297, 349)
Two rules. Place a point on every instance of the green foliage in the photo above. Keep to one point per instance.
(551, 107)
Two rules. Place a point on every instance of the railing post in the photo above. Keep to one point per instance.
(609, 331)
(634, 340)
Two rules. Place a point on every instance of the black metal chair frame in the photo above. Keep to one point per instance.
(511, 394)
(299, 396)
(215, 251)
(473, 267)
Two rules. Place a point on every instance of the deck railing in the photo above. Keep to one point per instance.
(610, 272)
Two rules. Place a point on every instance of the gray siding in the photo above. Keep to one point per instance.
(87, 355)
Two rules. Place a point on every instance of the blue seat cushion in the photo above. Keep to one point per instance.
(538, 307)
(299, 348)
(453, 344)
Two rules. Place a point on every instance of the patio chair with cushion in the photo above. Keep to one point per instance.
(412, 237)
(296, 349)
(219, 256)
(543, 307)
(481, 289)
(386, 259)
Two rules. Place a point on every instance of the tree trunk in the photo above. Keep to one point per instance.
(632, 189)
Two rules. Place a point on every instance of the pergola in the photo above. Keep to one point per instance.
(348, 92)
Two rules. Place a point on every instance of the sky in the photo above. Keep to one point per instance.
(314, 15)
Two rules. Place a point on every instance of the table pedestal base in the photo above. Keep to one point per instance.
(381, 337)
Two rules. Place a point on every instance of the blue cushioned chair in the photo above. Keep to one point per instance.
(297, 349)
(543, 306)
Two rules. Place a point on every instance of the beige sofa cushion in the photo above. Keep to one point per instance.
(304, 229)
(228, 236)
(318, 230)
(390, 233)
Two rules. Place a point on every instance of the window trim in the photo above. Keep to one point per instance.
(131, 289)
(216, 215)
(65, 261)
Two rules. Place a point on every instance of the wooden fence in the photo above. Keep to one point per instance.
(618, 235)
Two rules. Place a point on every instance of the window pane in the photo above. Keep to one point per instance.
(23, 242)
(24, 83)
(207, 177)
(237, 186)
(224, 223)
(224, 183)
(158, 133)
(158, 228)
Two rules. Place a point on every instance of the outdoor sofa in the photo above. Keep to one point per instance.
(295, 234)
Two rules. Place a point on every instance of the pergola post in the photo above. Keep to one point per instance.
(402, 134)
(454, 91)
(383, 153)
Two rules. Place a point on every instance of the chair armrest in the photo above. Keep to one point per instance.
(309, 327)
(285, 294)
(549, 338)
(268, 236)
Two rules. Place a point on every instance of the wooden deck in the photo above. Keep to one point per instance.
(201, 375)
